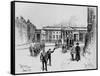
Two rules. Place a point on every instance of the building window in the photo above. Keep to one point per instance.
(81, 36)
(59, 36)
(53, 36)
(56, 36)
(75, 37)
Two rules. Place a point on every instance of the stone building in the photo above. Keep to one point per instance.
(38, 35)
(30, 31)
(24, 31)
(20, 31)
(55, 33)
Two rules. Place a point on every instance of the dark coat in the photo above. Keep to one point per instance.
(44, 57)
(49, 53)
(77, 49)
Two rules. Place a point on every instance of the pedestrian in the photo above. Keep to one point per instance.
(49, 55)
(67, 41)
(73, 53)
(43, 58)
(77, 49)
(31, 51)
(56, 45)
(68, 44)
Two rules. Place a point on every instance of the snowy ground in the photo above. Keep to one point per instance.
(60, 61)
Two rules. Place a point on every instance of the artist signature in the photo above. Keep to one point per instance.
(25, 68)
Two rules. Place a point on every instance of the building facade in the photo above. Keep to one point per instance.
(55, 33)
(20, 31)
(38, 35)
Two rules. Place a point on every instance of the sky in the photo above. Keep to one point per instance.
(48, 15)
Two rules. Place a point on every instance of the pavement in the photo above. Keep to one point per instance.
(60, 61)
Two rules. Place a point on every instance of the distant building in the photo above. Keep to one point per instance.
(38, 35)
(24, 31)
(54, 33)
(31, 31)
(20, 30)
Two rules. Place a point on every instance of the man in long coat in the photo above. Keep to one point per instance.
(73, 53)
(49, 55)
(31, 48)
(77, 49)
(43, 58)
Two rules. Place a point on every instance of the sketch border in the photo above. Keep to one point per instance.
(12, 35)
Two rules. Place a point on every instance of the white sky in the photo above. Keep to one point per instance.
(46, 14)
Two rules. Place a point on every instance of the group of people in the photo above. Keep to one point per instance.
(45, 57)
(75, 53)
(35, 48)
(69, 42)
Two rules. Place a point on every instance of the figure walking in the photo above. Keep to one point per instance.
(49, 55)
(31, 48)
(77, 49)
(73, 53)
(43, 58)
(31, 51)
(68, 42)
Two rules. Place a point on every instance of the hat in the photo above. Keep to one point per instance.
(77, 43)
(49, 49)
